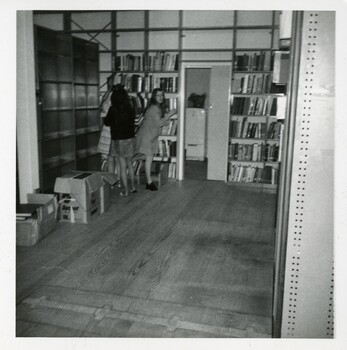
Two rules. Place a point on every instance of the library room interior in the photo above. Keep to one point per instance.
(204, 209)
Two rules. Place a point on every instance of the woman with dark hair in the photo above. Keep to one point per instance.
(147, 136)
(121, 117)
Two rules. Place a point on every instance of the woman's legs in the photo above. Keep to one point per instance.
(123, 174)
(129, 164)
(148, 167)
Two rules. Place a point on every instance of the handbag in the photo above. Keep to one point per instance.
(104, 140)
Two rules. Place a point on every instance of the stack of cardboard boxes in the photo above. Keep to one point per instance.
(82, 196)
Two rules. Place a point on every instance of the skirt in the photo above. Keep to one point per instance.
(123, 148)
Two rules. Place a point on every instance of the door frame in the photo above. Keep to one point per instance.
(181, 106)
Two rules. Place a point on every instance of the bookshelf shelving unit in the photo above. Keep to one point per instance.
(254, 138)
(67, 104)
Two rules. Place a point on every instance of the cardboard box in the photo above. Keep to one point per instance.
(79, 196)
(109, 180)
(34, 225)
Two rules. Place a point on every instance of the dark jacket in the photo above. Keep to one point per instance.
(121, 122)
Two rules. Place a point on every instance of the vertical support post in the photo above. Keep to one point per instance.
(27, 135)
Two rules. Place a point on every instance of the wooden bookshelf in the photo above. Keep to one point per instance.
(255, 127)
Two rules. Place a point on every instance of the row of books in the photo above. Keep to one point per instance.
(160, 61)
(167, 148)
(246, 129)
(252, 84)
(257, 61)
(170, 128)
(139, 83)
(252, 106)
(256, 152)
(245, 173)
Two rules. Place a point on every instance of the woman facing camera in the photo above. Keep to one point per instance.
(147, 136)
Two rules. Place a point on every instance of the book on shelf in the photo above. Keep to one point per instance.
(252, 174)
(257, 106)
(257, 61)
(163, 61)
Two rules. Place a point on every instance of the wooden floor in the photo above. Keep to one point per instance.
(194, 259)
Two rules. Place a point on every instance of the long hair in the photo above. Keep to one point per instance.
(154, 102)
(120, 101)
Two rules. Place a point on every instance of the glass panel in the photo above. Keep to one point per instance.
(163, 19)
(78, 48)
(93, 140)
(92, 72)
(81, 142)
(64, 45)
(104, 41)
(163, 40)
(130, 41)
(254, 18)
(208, 18)
(81, 121)
(64, 68)
(65, 96)
(204, 39)
(67, 149)
(94, 163)
(130, 19)
(253, 38)
(94, 120)
(49, 95)
(92, 97)
(91, 20)
(67, 123)
(47, 67)
(50, 153)
(80, 96)
(92, 50)
(50, 124)
(200, 56)
(105, 61)
(79, 71)
(54, 21)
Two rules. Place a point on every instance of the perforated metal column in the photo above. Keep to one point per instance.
(309, 276)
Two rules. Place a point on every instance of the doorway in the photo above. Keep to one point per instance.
(204, 120)
(197, 88)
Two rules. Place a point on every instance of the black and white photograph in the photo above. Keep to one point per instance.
(178, 176)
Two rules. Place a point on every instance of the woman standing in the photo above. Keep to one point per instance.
(147, 136)
(120, 117)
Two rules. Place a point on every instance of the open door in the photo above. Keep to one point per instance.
(218, 123)
(218, 118)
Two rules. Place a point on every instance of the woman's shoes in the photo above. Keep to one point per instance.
(133, 190)
(151, 187)
(123, 194)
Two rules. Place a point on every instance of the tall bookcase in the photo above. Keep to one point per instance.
(256, 122)
(68, 104)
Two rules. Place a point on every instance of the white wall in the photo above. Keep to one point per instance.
(28, 160)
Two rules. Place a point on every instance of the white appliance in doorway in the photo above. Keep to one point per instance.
(195, 140)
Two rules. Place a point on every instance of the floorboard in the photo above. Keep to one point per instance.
(194, 259)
